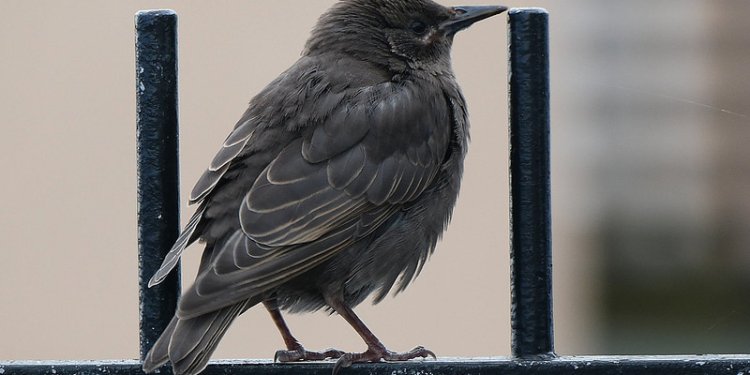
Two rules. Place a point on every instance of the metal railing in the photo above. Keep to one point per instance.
(531, 273)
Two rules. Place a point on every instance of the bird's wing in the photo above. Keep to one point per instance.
(232, 146)
(324, 191)
(343, 73)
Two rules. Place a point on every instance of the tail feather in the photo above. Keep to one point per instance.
(159, 353)
(189, 343)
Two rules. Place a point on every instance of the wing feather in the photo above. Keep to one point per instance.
(344, 169)
(235, 143)
(174, 254)
(241, 277)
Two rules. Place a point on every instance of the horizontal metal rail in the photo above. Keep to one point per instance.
(630, 365)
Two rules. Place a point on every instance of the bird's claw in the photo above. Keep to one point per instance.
(300, 354)
(374, 355)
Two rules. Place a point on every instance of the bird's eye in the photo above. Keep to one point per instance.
(418, 27)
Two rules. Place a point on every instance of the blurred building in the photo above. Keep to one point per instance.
(651, 132)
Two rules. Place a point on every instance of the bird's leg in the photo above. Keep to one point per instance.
(295, 352)
(376, 351)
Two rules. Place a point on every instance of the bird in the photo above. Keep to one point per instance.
(334, 186)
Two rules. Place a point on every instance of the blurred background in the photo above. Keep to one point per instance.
(651, 177)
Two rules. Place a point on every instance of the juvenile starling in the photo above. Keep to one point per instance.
(335, 184)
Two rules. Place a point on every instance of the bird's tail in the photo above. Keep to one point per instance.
(189, 343)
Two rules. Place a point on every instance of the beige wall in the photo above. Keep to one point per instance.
(68, 287)
(68, 279)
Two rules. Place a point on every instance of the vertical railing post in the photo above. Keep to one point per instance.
(531, 256)
(158, 194)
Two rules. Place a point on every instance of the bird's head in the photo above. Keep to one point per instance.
(398, 34)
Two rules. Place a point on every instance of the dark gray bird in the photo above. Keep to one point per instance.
(335, 184)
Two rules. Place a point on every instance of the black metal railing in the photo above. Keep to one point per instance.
(158, 167)
(530, 201)
(531, 273)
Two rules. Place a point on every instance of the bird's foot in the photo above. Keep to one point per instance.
(380, 354)
(300, 354)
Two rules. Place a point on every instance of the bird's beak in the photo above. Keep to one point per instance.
(465, 16)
